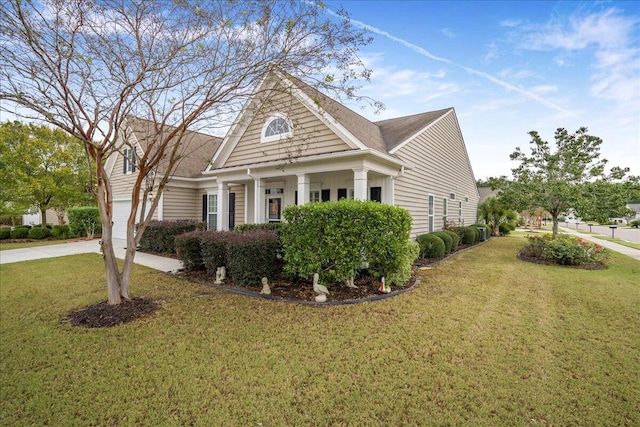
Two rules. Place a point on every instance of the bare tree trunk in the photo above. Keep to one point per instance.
(43, 216)
(554, 218)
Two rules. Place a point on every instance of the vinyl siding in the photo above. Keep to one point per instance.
(439, 166)
(310, 135)
(180, 203)
(122, 184)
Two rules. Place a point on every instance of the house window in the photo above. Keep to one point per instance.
(375, 194)
(444, 211)
(129, 155)
(314, 196)
(277, 127)
(345, 193)
(212, 211)
(460, 212)
(452, 196)
(466, 199)
(431, 209)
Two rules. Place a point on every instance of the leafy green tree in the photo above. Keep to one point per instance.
(43, 167)
(85, 67)
(553, 177)
(602, 200)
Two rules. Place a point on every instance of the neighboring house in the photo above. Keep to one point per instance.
(36, 218)
(293, 145)
(485, 192)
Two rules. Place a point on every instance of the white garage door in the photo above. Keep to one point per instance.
(121, 210)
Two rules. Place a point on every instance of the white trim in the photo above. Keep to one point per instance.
(411, 138)
(160, 208)
(279, 137)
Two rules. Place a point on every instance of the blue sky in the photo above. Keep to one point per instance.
(508, 68)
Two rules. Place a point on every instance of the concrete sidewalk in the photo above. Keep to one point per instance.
(633, 253)
(84, 247)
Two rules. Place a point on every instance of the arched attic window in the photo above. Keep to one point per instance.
(276, 128)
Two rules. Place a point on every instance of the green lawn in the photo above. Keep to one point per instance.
(10, 245)
(485, 339)
(620, 242)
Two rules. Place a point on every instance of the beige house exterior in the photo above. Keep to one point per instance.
(293, 145)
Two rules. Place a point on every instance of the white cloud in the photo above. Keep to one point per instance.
(510, 23)
(545, 88)
(448, 32)
(511, 73)
(607, 36)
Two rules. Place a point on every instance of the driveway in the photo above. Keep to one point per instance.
(84, 247)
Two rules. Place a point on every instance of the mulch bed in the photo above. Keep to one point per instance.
(103, 315)
(302, 290)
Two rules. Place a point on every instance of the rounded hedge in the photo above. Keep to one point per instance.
(61, 232)
(20, 233)
(469, 235)
(448, 241)
(431, 246)
(456, 239)
(5, 233)
(39, 233)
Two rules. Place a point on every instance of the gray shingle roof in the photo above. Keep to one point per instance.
(382, 135)
(196, 150)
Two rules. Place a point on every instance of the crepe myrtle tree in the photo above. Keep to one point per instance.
(86, 66)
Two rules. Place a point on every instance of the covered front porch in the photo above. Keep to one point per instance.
(271, 186)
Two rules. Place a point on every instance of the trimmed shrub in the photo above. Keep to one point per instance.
(401, 276)
(478, 231)
(431, 246)
(252, 256)
(84, 221)
(214, 250)
(271, 226)
(189, 251)
(61, 232)
(455, 240)
(19, 233)
(469, 235)
(160, 236)
(335, 239)
(5, 233)
(635, 223)
(39, 233)
(448, 241)
(506, 228)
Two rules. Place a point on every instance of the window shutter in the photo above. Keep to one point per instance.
(232, 210)
(124, 161)
(342, 193)
(204, 208)
(296, 197)
(326, 195)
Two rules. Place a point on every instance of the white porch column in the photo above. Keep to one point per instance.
(388, 192)
(304, 184)
(249, 210)
(360, 184)
(223, 206)
(258, 201)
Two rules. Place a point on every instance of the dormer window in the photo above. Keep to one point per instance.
(276, 128)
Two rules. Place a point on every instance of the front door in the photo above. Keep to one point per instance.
(274, 208)
(273, 204)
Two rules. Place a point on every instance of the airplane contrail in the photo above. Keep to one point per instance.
(427, 54)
